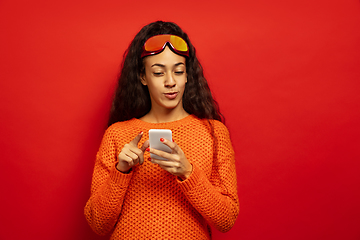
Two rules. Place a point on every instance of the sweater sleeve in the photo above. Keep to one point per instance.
(215, 198)
(108, 188)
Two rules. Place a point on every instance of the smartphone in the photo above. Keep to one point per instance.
(154, 138)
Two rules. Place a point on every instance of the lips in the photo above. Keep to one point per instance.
(171, 95)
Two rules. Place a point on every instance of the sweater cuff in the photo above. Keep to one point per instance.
(192, 181)
(119, 178)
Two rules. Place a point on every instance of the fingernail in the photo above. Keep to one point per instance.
(173, 140)
(161, 139)
(141, 132)
(149, 159)
(148, 149)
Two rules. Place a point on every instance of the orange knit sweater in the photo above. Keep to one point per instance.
(150, 203)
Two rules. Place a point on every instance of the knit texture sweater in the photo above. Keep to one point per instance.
(149, 202)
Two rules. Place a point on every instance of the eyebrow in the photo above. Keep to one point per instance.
(162, 65)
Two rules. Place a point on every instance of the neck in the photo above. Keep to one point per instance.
(162, 115)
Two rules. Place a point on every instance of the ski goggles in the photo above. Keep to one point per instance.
(157, 44)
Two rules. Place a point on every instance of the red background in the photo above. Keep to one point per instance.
(286, 75)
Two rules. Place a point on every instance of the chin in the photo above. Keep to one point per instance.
(171, 106)
(168, 104)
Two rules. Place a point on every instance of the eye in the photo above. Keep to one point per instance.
(158, 74)
(179, 72)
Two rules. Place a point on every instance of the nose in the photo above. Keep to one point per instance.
(170, 81)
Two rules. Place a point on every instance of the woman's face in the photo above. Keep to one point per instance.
(165, 76)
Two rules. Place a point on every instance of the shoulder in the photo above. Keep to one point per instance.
(211, 124)
(221, 133)
(122, 128)
(123, 124)
(222, 138)
(219, 128)
(214, 127)
(219, 125)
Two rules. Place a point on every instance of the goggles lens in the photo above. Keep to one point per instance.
(156, 44)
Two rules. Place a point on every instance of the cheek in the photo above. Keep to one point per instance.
(183, 86)
(183, 83)
(153, 87)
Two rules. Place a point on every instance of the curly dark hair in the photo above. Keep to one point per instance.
(132, 98)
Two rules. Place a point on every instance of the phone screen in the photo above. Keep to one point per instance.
(154, 138)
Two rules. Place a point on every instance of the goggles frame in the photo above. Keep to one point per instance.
(156, 44)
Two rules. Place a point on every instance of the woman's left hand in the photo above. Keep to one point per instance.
(176, 163)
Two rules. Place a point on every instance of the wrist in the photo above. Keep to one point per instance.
(187, 174)
(124, 171)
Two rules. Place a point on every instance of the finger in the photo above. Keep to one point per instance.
(129, 153)
(136, 140)
(172, 145)
(172, 170)
(124, 158)
(136, 151)
(145, 145)
(160, 153)
(136, 154)
(165, 164)
(166, 168)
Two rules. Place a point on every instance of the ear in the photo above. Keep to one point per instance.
(142, 78)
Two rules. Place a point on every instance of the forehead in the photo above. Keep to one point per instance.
(166, 58)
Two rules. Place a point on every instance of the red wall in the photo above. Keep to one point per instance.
(286, 75)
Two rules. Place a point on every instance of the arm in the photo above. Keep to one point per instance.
(108, 188)
(215, 198)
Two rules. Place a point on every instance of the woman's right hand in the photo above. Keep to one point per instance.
(131, 155)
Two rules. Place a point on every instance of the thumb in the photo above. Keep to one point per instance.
(143, 148)
(136, 140)
(145, 145)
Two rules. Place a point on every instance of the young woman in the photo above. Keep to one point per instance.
(133, 196)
